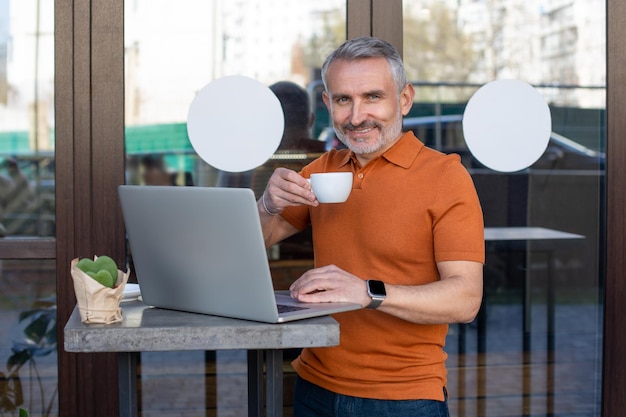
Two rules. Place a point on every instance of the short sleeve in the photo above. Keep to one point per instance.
(458, 228)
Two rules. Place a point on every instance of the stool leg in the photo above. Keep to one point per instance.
(274, 382)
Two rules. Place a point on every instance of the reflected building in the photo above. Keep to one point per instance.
(261, 39)
(561, 45)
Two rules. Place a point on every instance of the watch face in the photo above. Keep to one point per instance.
(377, 287)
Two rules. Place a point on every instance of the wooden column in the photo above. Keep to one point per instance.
(90, 163)
(614, 377)
(380, 18)
(387, 22)
(359, 18)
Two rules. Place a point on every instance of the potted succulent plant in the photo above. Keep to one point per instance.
(99, 286)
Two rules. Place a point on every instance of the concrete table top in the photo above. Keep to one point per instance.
(146, 328)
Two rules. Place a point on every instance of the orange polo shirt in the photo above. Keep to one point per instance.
(408, 209)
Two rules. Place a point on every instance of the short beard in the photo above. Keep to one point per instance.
(387, 136)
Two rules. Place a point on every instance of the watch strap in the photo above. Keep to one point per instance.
(375, 303)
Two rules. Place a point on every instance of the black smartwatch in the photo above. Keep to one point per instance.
(376, 291)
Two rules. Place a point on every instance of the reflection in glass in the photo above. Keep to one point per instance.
(169, 60)
(26, 118)
(28, 343)
(535, 348)
(28, 338)
(172, 50)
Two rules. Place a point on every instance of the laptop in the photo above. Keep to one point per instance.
(201, 250)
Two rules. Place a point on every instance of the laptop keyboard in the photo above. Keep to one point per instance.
(283, 308)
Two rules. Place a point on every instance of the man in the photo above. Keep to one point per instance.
(407, 245)
(299, 118)
(296, 107)
(294, 101)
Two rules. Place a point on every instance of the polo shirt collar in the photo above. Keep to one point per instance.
(403, 153)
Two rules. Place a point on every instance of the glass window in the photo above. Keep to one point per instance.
(26, 118)
(172, 50)
(169, 60)
(536, 345)
(28, 338)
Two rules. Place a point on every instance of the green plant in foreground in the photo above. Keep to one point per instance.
(35, 336)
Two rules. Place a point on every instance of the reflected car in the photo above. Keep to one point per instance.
(445, 133)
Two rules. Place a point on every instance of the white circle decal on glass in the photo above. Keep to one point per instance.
(507, 125)
(235, 123)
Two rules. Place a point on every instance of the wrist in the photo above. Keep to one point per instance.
(265, 208)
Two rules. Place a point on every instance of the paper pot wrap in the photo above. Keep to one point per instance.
(97, 303)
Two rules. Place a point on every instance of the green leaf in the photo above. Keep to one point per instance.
(103, 277)
(86, 265)
(108, 264)
(27, 313)
(36, 330)
(48, 310)
(18, 359)
(23, 413)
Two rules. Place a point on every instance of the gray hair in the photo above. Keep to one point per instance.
(368, 47)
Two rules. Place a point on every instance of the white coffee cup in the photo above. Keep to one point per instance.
(331, 187)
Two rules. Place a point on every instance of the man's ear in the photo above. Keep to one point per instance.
(406, 98)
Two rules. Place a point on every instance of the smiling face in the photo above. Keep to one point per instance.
(365, 105)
